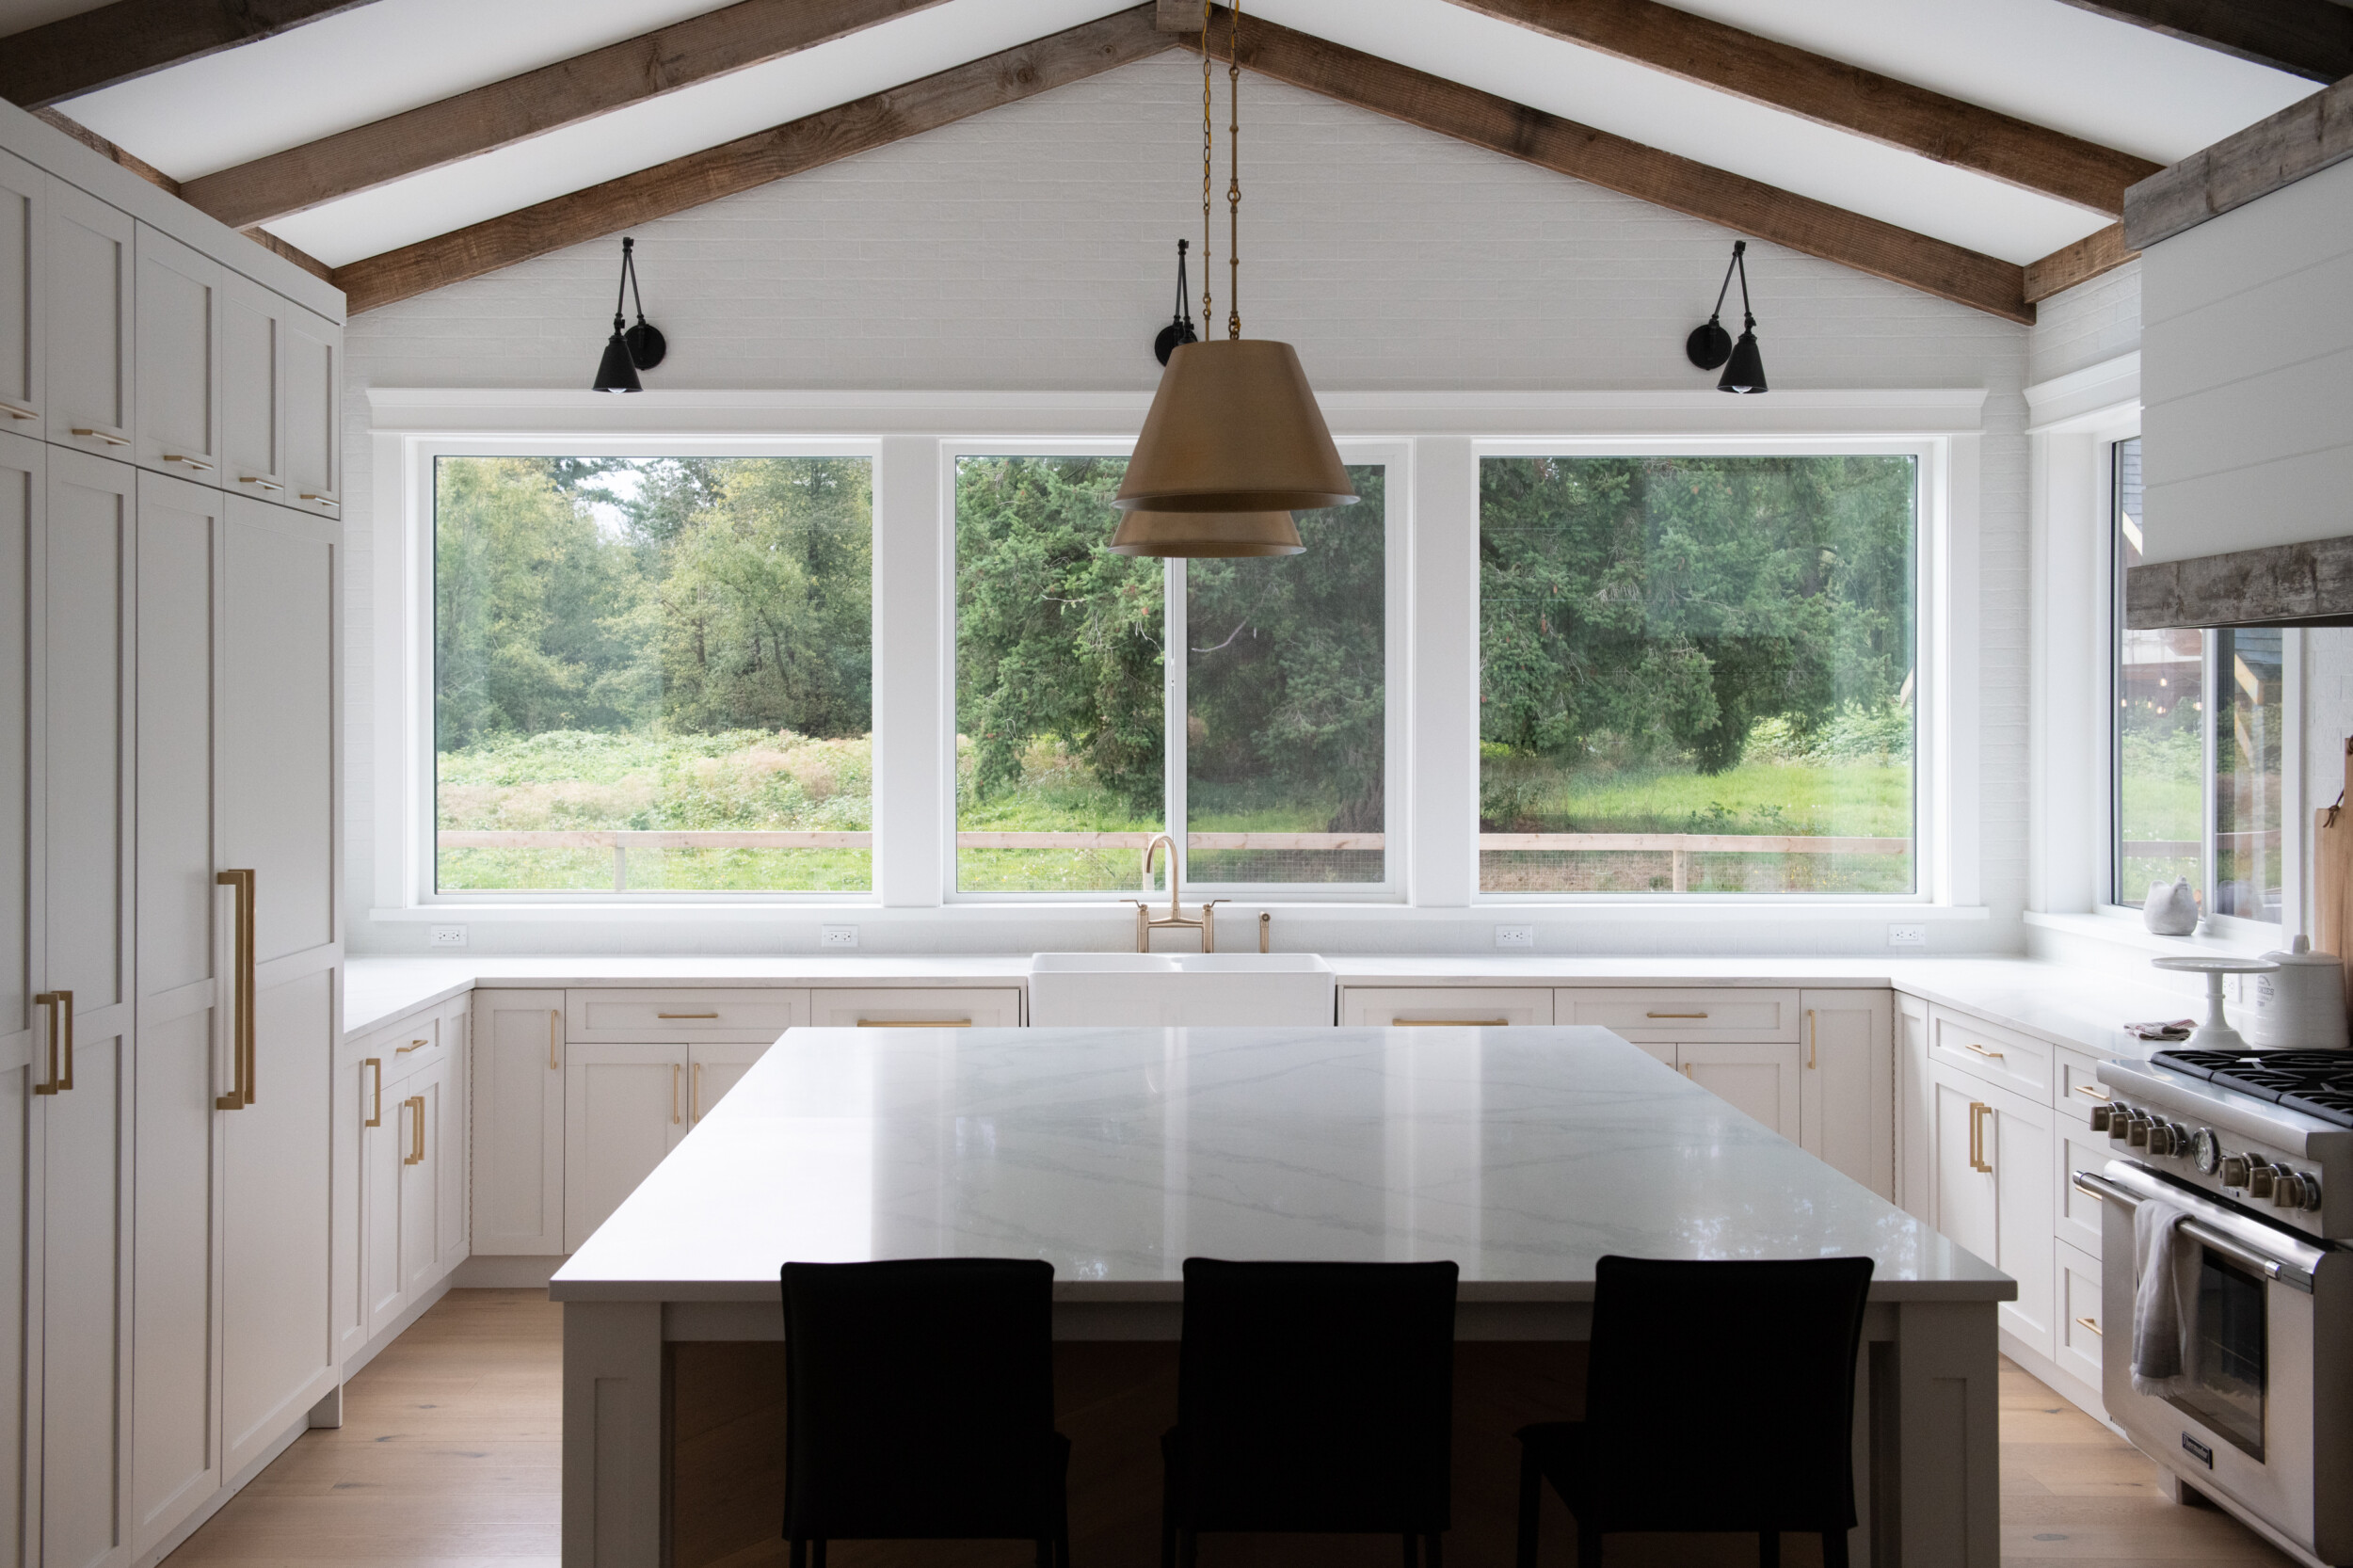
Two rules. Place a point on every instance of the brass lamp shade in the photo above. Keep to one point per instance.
(1205, 534)
(1234, 428)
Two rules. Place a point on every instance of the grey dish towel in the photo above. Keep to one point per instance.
(2165, 1300)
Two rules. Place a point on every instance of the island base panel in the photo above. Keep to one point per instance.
(1113, 1399)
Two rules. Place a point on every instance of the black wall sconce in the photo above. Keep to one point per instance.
(1710, 346)
(1179, 330)
(640, 347)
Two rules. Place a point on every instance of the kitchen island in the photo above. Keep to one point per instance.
(1522, 1154)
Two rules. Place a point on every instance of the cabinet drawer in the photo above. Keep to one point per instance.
(748, 1014)
(2076, 1087)
(1990, 1052)
(413, 1042)
(2079, 1149)
(906, 1006)
(1697, 1013)
(2080, 1325)
(1487, 1006)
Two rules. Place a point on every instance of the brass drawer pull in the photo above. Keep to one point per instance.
(2092, 1091)
(15, 410)
(695, 1096)
(320, 495)
(555, 1016)
(101, 433)
(915, 1023)
(416, 1136)
(1978, 1161)
(1809, 1039)
(413, 1045)
(686, 1015)
(1674, 1015)
(197, 463)
(676, 1071)
(259, 483)
(376, 1116)
(2092, 1324)
(1450, 1023)
(1982, 1051)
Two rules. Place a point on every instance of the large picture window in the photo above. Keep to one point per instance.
(653, 675)
(1066, 758)
(1696, 674)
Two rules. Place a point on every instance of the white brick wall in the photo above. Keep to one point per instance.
(1031, 247)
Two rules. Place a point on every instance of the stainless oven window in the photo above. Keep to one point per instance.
(2224, 1387)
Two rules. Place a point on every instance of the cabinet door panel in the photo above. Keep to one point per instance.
(279, 1356)
(23, 511)
(178, 540)
(2021, 1154)
(355, 1097)
(2077, 1214)
(88, 295)
(178, 362)
(1848, 1109)
(1385, 1006)
(277, 723)
(423, 1128)
(175, 1463)
(517, 1117)
(1915, 1110)
(2081, 1326)
(712, 1070)
(310, 443)
(249, 392)
(380, 1150)
(88, 612)
(1759, 1081)
(24, 325)
(85, 1267)
(1964, 1197)
(624, 1108)
(454, 1152)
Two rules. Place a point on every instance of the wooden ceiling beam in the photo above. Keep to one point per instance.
(75, 54)
(1664, 179)
(2313, 39)
(1009, 76)
(2102, 251)
(502, 113)
(1831, 92)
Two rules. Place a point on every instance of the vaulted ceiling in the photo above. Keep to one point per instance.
(1978, 150)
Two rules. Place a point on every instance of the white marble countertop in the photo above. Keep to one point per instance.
(1114, 1154)
(2068, 1006)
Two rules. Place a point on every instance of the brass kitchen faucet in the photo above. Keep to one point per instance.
(1145, 924)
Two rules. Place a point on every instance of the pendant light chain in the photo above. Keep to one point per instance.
(1208, 275)
(1233, 186)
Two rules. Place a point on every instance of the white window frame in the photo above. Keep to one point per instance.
(1933, 686)
(1393, 456)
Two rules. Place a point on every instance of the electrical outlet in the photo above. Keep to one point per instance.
(447, 936)
(1515, 936)
(1907, 935)
(837, 936)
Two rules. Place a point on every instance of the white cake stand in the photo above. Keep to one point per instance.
(2216, 1034)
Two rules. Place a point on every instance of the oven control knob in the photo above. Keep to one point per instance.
(2120, 1122)
(2287, 1190)
(2161, 1139)
(2100, 1117)
(2205, 1148)
(2235, 1170)
(2138, 1134)
(2261, 1180)
(2312, 1191)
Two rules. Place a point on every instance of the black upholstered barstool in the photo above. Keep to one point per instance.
(920, 1404)
(1720, 1397)
(1314, 1397)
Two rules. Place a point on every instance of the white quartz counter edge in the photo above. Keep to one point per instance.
(2055, 1003)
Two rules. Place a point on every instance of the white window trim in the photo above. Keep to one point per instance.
(1435, 759)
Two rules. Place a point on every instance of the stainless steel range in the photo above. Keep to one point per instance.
(2257, 1148)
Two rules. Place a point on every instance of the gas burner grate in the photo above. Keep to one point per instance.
(2329, 1105)
(2270, 1075)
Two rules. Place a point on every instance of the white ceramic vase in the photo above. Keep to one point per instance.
(2170, 911)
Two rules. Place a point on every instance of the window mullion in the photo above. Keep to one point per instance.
(2210, 691)
(1174, 639)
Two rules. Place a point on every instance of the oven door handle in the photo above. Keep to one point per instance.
(2238, 1252)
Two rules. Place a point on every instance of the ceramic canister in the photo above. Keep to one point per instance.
(2303, 1004)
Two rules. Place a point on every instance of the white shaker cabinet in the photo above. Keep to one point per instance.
(1759, 1078)
(1990, 1175)
(1847, 1113)
(1915, 1108)
(23, 312)
(251, 431)
(310, 379)
(176, 361)
(87, 298)
(518, 1116)
(624, 1107)
(402, 1111)
(908, 1006)
(712, 1070)
(80, 1154)
(1436, 1006)
(23, 507)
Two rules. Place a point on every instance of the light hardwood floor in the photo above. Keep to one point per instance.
(449, 1458)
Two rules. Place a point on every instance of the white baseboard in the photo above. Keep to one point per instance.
(505, 1273)
(2074, 1390)
(400, 1325)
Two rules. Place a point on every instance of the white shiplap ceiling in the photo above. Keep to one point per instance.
(2040, 60)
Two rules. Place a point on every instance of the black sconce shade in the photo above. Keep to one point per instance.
(632, 349)
(1178, 331)
(1710, 346)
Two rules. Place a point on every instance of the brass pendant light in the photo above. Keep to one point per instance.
(1234, 442)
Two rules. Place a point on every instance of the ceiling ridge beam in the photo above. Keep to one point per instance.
(501, 113)
(2102, 251)
(75, 54)
(748, 162)
(1830, 92)
(2312, 39)
(1737, 202)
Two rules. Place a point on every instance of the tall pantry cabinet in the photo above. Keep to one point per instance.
(170, 957)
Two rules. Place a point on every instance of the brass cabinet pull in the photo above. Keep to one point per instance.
(915, 1023)
(695, 1096)
(184, 460)
(17, 410)
(1982, 1051)
(555, 1016)
(1809, 1039)
(320, 495)
(1687, 1072)
(259, 483)
(413, 1045)
(1450, 1023)
(1978, 1161)
(2092, 1091)
(416, 1130)
(675, 1071)
(60, 1031)
(376, 1116)
(686, 1015)
(1674, 1015)
(241, 1095)
(2092, 1324)
(102, 433)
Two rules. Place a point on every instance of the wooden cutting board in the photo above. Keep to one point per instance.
(2332, 878)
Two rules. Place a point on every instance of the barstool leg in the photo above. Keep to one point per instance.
(1833, 1549)
(1189, 1547)
(817, 1552)
(1531, 1484)
(1768, 1549)
(1588, 1546)
(799, 1556)
(1412, 1559)
(1436, 1556)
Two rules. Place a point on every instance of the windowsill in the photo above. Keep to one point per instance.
(2123, 928)
(1762, 911)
